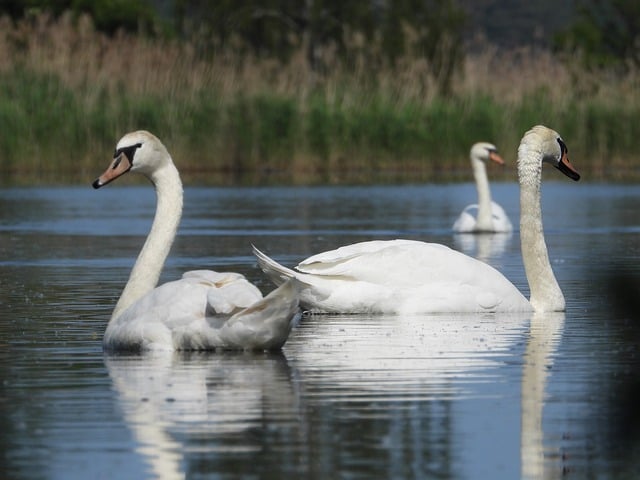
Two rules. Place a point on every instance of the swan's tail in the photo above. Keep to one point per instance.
(276, 272)
(266, 324)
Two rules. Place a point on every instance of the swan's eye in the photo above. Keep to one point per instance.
(128, 151)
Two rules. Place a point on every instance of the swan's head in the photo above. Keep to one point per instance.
(546, 144)
(486, 151)
(138, 151)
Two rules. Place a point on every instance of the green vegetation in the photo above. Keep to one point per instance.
(68, 92)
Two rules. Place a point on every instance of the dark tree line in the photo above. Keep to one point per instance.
(392, 29)
(108, 15)
(378, 30)
(607, 33)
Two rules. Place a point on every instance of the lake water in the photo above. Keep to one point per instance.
(431, 396)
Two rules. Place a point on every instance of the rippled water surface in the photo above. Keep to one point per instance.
(430, 396)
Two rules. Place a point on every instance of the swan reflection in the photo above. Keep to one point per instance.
(449, 365)
(394, 354)
(181, 403)
(544, 337)
(445, 374)
(483, 246)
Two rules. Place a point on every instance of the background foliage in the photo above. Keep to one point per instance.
(606, 33)
(315, 91)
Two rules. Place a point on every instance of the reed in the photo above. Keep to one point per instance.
(67, 93)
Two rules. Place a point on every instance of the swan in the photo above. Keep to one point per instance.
(204, 310)
(491, 217)
(407, 276)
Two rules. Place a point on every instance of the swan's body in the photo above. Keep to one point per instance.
(486, 216)
(204, 310)
(467, 221)
(398, 276)
(404, 276)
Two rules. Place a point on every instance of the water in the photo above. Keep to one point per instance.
(431, 396)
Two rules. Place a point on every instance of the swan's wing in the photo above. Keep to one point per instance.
(266, 324)
(471, 209)
(212, 277)
(276, 272)
(466, 222)
(397, 264)
(230, 298)
(500, 218)
(333, 262)
(380, 261)
(226, 293)
(409, 263)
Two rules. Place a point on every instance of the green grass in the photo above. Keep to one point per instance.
(49, 129)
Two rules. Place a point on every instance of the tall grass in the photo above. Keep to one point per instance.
(67, 94)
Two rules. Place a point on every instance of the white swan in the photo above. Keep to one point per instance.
(490, 217)
(204, 310)
(405, 276)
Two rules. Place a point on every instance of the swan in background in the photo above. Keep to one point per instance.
(406, 276)
(205, 310)
(491, 218)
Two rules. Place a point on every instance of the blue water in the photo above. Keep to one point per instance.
(430, 396)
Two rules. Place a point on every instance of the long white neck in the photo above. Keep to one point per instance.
(148, 267)
(545, 291)
(484, 222)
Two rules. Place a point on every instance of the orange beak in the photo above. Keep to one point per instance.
(118, 167)
(565, 167)
(493, 156)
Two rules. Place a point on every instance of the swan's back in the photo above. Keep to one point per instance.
(365, 277)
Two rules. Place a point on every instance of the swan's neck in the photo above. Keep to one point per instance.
(545, 291)
(484, 222)
(148, 267)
